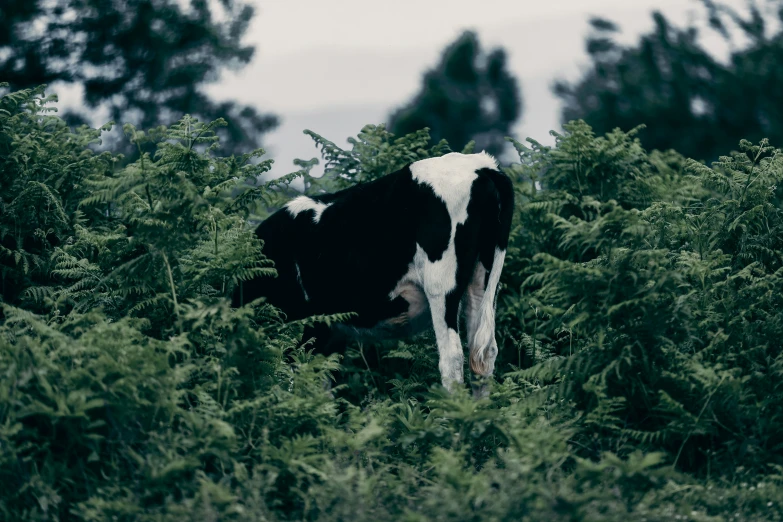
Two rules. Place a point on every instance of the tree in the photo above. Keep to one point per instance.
(146, 60)
(470, 95)
(687, 99)
(666, 81)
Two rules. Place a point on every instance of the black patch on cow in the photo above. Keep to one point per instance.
(504, 188)
(497, 213)
(434, 228)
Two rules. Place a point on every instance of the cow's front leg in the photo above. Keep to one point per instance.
(451, 358)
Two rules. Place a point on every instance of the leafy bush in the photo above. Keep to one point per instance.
(638, 377)
(659, 316)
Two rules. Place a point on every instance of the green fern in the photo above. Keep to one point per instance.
(639, 323)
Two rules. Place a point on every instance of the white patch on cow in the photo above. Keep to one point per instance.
(299, 280)
(451, 177)
(303, 204)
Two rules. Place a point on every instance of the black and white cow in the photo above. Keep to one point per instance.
(405, 252)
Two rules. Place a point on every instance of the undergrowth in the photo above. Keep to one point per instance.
(639, 318)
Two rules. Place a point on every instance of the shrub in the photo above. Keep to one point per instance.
(638, 320)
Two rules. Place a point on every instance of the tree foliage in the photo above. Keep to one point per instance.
(145, 60)
(689, 100)
(639, 317)
(469, 95)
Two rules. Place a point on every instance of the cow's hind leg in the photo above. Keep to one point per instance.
(497, 213)
(450, 355)
(445, 304)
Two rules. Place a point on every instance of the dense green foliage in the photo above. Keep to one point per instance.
(144, 60)
(640, 318)
(469, 95)
(689, 99)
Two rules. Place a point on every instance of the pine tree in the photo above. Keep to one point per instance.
(668, 81)
(469, 96)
